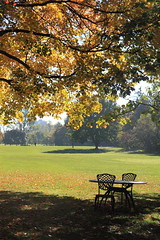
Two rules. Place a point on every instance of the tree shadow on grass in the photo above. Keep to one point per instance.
(138, 152)
(35, 216)
(80, 151)
(143, 152)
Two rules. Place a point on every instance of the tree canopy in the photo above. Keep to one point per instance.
(103, 135)
(62, 56)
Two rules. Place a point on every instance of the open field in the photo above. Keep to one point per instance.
(65, 171)
(45, 194)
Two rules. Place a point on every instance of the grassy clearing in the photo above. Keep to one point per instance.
(45, 194)
(66, 171)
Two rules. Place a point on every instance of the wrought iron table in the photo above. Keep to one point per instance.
(127, 193)
(120, 182)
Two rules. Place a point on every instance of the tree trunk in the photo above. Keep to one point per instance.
(96, 147)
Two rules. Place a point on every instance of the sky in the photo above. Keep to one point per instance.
(139, 87)
(54, 121)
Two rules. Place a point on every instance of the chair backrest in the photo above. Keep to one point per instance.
(105, 181)
(128, 177)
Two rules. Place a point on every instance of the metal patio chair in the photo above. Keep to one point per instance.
(105, 183)
(126, 189)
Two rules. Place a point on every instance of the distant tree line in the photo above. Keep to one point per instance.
(140, 132)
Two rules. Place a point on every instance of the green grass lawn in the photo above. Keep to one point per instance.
(66, 171)
(45, 194)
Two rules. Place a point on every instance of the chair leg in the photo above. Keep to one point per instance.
(127, 199)
(113, 203)
(132, 200)
(121, 197)
(96, 203)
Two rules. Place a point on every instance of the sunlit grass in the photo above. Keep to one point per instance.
(48, 190)
(65, 172)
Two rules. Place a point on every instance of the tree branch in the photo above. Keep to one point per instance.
(24, 4)
(6, 80)
(149, 105)
(29, 68)
(16, 30)
(15, 59)
(94, 8)
(76, 48)
(76, 13)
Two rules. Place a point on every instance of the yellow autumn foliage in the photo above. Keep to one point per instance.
(63, 56)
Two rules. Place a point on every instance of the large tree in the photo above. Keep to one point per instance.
(145, 135)
(14, 137)
(61, 55)
(96, 130)
(143, 129)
